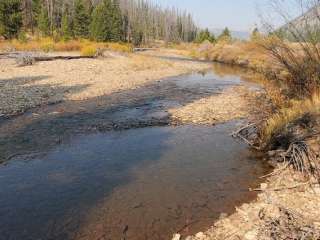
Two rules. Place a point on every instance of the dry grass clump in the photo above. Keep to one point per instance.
(243, 53)
(89, 51)
(120, 47)
(279, 121)
(48, 45)
(67, 46)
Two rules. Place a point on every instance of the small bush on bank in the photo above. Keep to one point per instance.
(47, 45)
(89, 51)
(120, 47)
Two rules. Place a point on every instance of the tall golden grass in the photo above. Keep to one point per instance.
(48, 45)
(277, 122)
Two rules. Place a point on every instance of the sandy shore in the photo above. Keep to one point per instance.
(22, 88)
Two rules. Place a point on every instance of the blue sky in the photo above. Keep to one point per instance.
(241, 15)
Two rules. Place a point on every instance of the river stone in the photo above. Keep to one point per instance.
(223, 216)
(251, 235)
(189, 238)
(200, 235)
(176, 237)
(264, 186)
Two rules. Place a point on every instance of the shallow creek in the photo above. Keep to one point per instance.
(141, 183)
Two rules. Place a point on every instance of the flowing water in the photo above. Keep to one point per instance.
(136, 184)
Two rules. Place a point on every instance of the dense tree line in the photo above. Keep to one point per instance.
(137, 21)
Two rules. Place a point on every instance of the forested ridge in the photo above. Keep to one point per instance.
(136, 21)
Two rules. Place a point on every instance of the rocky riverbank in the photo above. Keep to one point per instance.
(23, 88)
(287, 206)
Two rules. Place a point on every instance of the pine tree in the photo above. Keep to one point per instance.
(10, 18)
(205, 35)
(100, 27)
(116, 22)
(81, 20)
(225, 36)
(137, 37)
(36, 9)
(106, 22)
(255, 35)
(43, 22)
(66, 25)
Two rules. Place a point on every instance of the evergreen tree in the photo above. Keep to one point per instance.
(81, 20)
(100, 28)
(225, 35)
(36, 9)
(10, 18)
(205, 35)
(116, 22)
(106, 22)
(137, 37)
(43, 22)
(66, 25)
(255, 35)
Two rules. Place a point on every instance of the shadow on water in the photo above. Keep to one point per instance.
(134, 184)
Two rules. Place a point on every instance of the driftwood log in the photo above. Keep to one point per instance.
(17, 55)
(39, 59)
(142, 49)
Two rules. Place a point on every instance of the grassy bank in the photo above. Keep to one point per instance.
(292, 99)
(86, 47)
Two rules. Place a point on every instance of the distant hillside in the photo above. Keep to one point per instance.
(310, 19)
(235, 34)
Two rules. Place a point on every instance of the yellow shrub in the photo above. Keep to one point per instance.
(120, 47)
(47, 45)
(89, 51)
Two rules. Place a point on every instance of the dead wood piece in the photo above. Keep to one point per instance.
(303, 159)
(276, 172)
(282, 188)
(8, 53)
(39, 59)
(142, 49)
(248, 134)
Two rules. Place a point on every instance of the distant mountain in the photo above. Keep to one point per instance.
(242, 35)
(310, 19)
